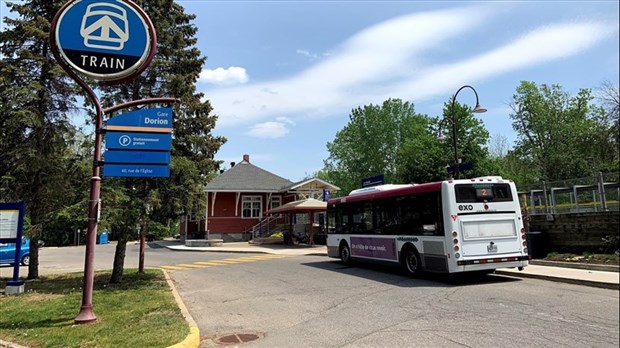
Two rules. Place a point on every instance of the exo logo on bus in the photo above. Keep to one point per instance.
(466, 207)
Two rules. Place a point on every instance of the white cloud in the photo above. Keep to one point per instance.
(536, 47)
(311, 56)
(285, 120)
(381, 62)
(269, 130)
(220, 76)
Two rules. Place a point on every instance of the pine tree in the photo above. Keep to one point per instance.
(35, 130)
(172, 73)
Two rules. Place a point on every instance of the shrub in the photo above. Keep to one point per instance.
(612, 244)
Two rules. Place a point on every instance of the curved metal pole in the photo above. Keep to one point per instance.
(86, 314)
(457, 172)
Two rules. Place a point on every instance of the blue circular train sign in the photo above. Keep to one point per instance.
(108, 40)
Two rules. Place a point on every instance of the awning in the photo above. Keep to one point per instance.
(301, 206)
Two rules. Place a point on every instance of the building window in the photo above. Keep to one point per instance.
(276, 201)
(252, 206)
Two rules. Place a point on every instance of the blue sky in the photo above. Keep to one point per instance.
(283, 76)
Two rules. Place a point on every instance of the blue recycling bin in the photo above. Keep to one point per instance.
(102, 238)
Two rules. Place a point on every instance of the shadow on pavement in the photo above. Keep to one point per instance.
(394, 275)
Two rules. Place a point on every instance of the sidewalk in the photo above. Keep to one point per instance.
(550, 271)
(245, 247)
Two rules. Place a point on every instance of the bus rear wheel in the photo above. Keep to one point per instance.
(411, 261)
(345, 253)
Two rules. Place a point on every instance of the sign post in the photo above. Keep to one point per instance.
(111, 41)
(11, 230)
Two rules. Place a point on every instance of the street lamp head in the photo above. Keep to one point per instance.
(478, 109)
(441, 138)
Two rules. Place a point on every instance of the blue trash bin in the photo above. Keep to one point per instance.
(102, 238)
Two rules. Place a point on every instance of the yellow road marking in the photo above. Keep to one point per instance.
(173, 267)
(226, 262)
(247, 259)
(191, 265)
(209, 263)
(222, 262)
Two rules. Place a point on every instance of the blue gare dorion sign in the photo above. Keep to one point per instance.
(106, 40)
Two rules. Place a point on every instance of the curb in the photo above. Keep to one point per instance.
(193, 338)
(575, 265)
(241, 251)
(590, 283)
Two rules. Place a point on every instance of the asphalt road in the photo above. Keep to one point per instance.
(313, 301)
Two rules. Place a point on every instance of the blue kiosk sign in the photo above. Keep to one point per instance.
(108, 40)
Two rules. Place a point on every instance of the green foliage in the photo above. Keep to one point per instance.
(393, 140)
(369, 144)
(556, 132)
(36, 134)
(158, 231)
(612, 243)
(150, 206)
(421, 157)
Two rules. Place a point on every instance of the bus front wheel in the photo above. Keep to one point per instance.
(411, 261)
(345, 253)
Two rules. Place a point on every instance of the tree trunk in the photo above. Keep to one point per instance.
(143, 226)
(119, 260)
(33, 267)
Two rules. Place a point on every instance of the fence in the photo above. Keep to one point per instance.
(597, 193)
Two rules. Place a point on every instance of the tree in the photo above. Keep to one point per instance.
(369, 144)
(173, 73)
(424, 159)
(607, 132)
(556, 132)
(421, 157)
(35, 130)
(498, 146)
(472, 140)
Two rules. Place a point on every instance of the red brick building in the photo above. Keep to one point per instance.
(238, 198)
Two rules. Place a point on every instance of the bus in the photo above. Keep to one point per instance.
(467, 225)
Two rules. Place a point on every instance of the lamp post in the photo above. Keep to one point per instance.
(477, 109)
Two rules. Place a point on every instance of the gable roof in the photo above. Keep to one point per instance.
(312, 183)
(246, 177)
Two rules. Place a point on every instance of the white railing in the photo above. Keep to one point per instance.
(263, 228)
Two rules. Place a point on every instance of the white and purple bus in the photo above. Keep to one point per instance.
(446, 227)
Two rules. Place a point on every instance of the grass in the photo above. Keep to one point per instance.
(140, 312)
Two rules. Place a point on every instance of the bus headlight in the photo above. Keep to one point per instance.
(457, 255)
